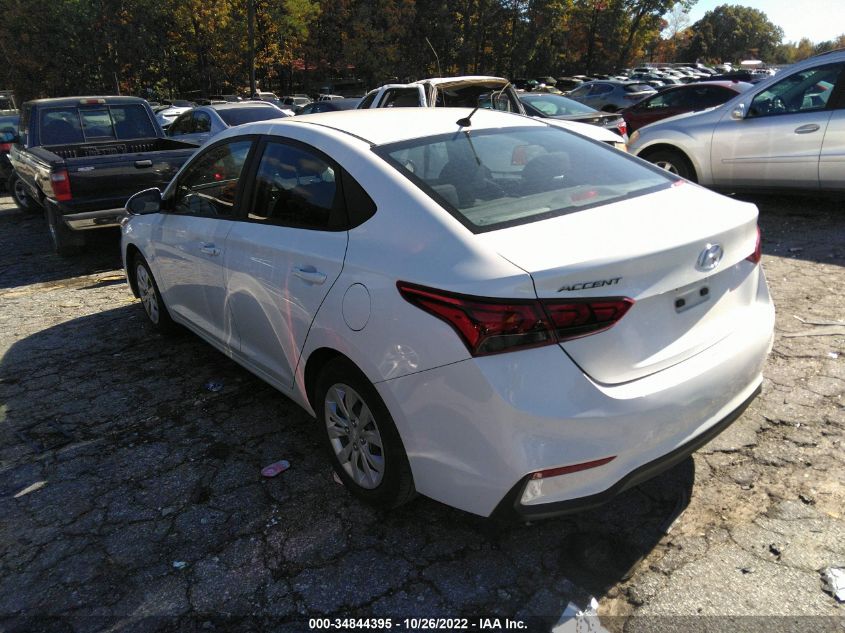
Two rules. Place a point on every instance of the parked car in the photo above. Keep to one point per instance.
(471, 91)
(8, 135)
(679, 99)
(293, 102)
(610, 96)
(559, 107)
(167, 114)
(80, 158)
(474, 305)
(787, 132)
(200, 124)
(329, 105)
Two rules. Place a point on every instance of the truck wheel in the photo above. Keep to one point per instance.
(66, 241)
(22, 199)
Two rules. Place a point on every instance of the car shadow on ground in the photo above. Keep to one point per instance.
(801, 227)
(130, 487)
(27, 256)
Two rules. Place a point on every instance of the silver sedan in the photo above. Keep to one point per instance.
(788, 132)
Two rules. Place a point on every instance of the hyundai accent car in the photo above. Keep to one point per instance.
(497, 313)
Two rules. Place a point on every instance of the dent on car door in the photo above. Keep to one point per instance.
(779, 141)
(190, 238)
(284, 255)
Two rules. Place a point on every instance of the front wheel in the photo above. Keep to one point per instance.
(361, 438)
(674, 162)
(150, 296)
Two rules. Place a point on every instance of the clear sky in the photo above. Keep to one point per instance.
(819, 20)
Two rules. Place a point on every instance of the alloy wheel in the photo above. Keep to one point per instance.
(354, 436)
(147, 292)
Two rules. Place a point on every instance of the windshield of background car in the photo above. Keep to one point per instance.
(239, 116)
(491, 179)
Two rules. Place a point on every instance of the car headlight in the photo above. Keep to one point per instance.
(632, 138)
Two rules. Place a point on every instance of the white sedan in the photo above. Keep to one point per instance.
(476, 306)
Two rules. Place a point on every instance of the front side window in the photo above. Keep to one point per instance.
(209, 185)
(296, 187)
(491, 179)
(401, 98)
(804, 91)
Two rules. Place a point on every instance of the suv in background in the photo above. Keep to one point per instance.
(787, 132)
(611, 96)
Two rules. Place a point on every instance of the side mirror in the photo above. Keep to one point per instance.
(738, 113)
(144, 202)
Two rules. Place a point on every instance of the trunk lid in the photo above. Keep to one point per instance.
(646, 248)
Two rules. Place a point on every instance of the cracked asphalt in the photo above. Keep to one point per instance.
(131, 497)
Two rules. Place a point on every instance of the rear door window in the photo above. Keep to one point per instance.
(61, 126)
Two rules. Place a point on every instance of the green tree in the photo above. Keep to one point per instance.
(733, 32)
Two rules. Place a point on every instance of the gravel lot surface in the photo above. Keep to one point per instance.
(131, 498)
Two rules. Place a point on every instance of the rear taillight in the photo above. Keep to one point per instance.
(61, 185)
(5, 148)
(491, 326)
(757, 255)
(622, 126)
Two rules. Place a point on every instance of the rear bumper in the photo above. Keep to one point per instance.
(95, 219)
(511, 506)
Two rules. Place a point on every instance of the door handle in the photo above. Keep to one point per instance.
(310, 275)
(209, 249)
(143, 163)
(807, 129)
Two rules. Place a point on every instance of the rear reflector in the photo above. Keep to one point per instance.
(757, 255)
(574, 468)
(61, 185)
(492, 326)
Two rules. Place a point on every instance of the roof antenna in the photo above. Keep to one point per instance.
(465, 122)
(436, 58)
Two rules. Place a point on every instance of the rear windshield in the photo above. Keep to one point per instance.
(639, 88)
(62, 126)
(491, 179)
(239, 116)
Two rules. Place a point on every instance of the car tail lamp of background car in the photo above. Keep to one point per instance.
(61, 185)
(622, 126)
(492, 326)
(757, 255)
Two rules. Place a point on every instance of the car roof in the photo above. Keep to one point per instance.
(71, 101)
(239, 105)
(436, 81)
(379, 126)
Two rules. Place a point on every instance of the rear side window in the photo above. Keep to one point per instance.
(638, 88)
(298, 188)
(209, 185)
(491, 179)
(63, 126)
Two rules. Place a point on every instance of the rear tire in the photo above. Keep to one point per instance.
(361, 438)
(674, 162)
(66, 241)
(150, 296)
(17, 190)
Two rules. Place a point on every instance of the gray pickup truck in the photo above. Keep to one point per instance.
(81, 158)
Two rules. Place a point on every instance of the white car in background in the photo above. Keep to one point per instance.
(477, 306)
(494, 93)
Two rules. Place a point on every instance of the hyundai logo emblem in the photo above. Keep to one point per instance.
(709, 257)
